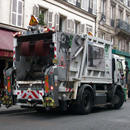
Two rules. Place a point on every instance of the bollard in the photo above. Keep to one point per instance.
(125, 91)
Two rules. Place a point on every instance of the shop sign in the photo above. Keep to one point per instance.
(6, 53)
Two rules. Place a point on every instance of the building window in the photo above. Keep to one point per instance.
(112, 12)
(112, 15)
(62, 23)
(119, 45)
(102, 35)
(43, 11)
(112, 39)
(77, 25)
(126, 47)
(17, 12)
(85, 4)
(127, 18)
(90, 4)
(120, 14)
(103, 6)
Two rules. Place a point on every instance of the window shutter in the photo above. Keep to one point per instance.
(20, 12)
(50, 15)
(56, 21)
(72, 26)
(94, 6)
(72, 2)
(14, 11)
(68, 25)
(99, 33)
(88, 29)
(83, 4)
(86, 4)
(36, 11)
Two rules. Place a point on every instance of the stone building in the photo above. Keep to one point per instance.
(113, 24)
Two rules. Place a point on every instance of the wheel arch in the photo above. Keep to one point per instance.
(117, 87)
(82, 88)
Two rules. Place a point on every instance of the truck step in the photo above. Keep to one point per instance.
(101, 91)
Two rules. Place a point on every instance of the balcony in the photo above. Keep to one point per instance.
(90, 10)
(112, 22)
(122, 28)
(103, 17)
(123, 25)
(77, 4)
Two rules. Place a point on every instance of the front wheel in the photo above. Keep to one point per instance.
(85, 104)
(118, 99)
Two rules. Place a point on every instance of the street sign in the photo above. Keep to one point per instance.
(33, 21)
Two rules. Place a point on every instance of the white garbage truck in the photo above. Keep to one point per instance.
(59, 70)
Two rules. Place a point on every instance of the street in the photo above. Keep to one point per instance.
(16, 118)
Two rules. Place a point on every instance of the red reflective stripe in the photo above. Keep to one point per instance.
(8, 77)
(9, 86)
(55, 48)
(18, 93)
(46, 84)
(24, 95)
(30, 96)
(34, 94)
(21, 92)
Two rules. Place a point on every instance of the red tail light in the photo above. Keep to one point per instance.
(51, 88)
(46, 29)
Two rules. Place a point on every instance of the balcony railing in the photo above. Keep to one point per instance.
(123, 25)
(112, 22)
(90, 10)
(77, 4)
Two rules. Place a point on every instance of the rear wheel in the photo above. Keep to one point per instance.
(85, 104)
(118, 99)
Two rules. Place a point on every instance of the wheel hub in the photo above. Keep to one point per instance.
(116, 99)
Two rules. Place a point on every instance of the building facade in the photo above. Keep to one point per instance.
(113, 24)
(73, 16)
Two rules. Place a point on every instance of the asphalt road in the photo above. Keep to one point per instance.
(16, 118)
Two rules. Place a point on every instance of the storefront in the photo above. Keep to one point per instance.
(125, 57)
(6, 53)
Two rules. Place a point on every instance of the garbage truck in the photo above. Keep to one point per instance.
(65, 71)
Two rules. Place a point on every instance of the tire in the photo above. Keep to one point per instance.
(118, 99)
(86, 103)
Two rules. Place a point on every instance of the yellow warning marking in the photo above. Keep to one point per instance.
(33, 21)
(89, 33)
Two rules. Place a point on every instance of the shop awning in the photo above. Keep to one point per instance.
(6, 43)
(6, 40)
